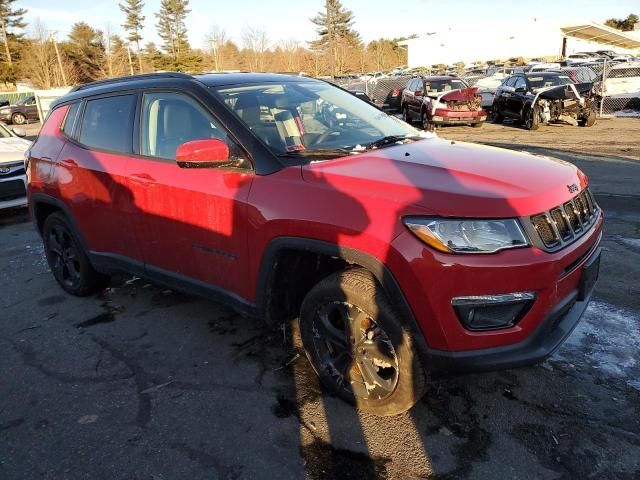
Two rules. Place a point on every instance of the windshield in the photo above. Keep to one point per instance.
(548, 81)
(440, 86)
(311, 116)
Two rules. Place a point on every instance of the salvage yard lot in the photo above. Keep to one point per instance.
(140, 382)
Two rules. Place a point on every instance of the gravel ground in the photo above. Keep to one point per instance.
(140, 382)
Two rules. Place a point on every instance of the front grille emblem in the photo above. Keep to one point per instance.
(573, 188)
(4, 170)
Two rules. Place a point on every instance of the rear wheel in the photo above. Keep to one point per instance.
(68, 260)
(358, 347)
(18, 119)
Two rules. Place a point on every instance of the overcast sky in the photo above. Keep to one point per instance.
(289, 19)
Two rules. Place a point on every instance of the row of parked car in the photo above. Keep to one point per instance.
(530, 98)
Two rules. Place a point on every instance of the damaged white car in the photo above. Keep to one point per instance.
(13, 191)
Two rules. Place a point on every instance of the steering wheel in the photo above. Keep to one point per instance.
(325, 136)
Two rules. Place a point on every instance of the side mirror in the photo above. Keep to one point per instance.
(418, 93)
(209, 152)
(19, 132)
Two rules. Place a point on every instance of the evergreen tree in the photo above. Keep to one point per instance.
(336, 34)
(11, 19)
(171, 28)
(133, 24)
(86, 52)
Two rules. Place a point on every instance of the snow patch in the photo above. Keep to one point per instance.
(607, 339)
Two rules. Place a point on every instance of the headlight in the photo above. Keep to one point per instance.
(467, 236)
(4, 111)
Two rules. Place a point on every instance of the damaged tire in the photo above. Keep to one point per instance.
(357, 346)
(589, 120)
(532, 118)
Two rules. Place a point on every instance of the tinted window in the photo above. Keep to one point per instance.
(510, 82)
(548, 81)
(106, 123)
(171, 119)
(69, 120)
(521, 83)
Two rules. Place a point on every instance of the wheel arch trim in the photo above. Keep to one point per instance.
(380, 271)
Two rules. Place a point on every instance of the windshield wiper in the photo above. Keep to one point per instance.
(319, 152)
(390, 139)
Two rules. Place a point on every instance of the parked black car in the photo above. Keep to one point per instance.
(23, 110)
(542, 97)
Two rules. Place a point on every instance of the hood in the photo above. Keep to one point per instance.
(563, 92)
(12, 149)
(456, 179)
(462, 95)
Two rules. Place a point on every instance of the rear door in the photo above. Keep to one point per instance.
(90, 174)
(191, 222)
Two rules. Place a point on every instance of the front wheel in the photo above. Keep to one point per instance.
(589, 120)
(532, 118)
(357, 345)
(18, 119)
(405, 115)
(427, 126)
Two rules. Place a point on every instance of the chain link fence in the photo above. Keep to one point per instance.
(620, 90)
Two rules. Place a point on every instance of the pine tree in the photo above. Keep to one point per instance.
(134, 23)
(336, 34)
(171, 27)
(10, 19)
(86, 52)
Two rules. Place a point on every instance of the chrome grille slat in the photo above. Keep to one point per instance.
(563, 224)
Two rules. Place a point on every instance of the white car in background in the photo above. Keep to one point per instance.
(487, 88)
(623, 80)
(13, 181)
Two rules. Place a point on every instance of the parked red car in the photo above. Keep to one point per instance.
(291, 199)
(441, 101)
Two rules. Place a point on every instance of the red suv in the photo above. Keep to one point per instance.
(292, 199)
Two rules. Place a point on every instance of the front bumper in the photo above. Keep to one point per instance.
(551, 333)
(13, 190)
(430, 280)
(450, 117)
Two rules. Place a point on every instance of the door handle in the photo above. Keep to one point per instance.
(142, 179)
(69, 162)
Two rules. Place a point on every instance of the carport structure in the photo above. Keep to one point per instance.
(603, 35)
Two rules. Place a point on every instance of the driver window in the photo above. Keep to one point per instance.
(521, 83)
(170, 119)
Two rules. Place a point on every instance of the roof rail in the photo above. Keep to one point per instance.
(131, 78)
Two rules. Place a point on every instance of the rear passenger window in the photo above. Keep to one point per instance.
(70, 119)
(107, 123)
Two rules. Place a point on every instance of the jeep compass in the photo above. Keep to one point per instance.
(293, 200)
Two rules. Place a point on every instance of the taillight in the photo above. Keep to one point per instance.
(395, 92)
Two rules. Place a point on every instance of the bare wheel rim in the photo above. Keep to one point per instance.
(19, 119)
(63, 256)
(354, 351)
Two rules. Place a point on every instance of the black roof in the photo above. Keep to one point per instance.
(173, 79)
(218, 79)
(544, 74)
